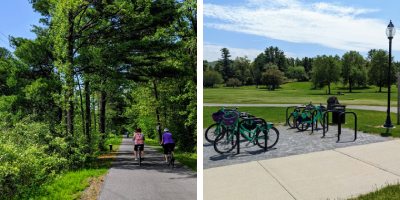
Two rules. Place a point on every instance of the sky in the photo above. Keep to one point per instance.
(17, 18)
(298, 27)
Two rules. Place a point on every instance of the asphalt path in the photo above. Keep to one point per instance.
(126, 180)
(358, 107)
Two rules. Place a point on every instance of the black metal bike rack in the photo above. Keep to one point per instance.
(325, 122)
(238, 132)
(340, 124)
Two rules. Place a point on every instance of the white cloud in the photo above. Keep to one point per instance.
(212, 52)
(330, 25)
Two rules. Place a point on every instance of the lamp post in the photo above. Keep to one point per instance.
(390, 31)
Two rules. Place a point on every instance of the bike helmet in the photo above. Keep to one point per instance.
(166, 129)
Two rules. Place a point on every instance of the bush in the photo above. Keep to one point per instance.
(212, 78)
(25, 162)
(272, 78)
(233, 82)
(297, 73)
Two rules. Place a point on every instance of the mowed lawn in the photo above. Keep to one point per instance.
(298, 93)
(368, 121)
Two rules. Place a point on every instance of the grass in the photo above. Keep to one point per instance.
(188, 159)
(70, 185)
(368, 121)
(391, 192)
(297, 93)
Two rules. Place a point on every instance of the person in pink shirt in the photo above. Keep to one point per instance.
(138, 138)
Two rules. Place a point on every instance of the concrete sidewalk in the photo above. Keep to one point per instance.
(334, 174)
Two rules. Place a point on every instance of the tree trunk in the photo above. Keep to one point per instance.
(102, 125)
(70, 74)
(329, 88)
(81, 105)
(94, 115)
(350, 86)
(157, 111)
(87, 111)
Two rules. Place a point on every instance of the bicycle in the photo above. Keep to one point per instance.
(170, 159)
(259, 133)
(215, 129)
(310, 115)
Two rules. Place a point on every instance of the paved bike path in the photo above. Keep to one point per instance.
(126, 180)
(393, 109)
(334, 174)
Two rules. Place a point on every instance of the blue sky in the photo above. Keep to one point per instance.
(300, 28)
(17, 18)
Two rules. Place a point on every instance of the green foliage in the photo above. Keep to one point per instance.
(233, 82)
(242, 69)
(272, 77)
(354, 71)
(211, 78)
(27, 160)
(378, 68)
(224, 65)
(326, 70)
(298, 73)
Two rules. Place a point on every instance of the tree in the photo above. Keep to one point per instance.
(297, 73)
(233, 82)
(353, 69)
(224, 65)
(272, 77)
(378, 68)
(211, 78)
(326, 70)
(242, 67)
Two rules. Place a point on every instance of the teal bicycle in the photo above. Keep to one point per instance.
(253, 130)
(311, 115)
(218, 127)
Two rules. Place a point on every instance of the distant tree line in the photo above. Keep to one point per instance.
(272, 68)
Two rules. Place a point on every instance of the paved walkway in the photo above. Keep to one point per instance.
(291, 142)
(153, 180)
(333, 174)
(359, 107)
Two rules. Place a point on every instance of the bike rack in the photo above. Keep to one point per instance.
(340, 124)
(238, 133)
(326, 122)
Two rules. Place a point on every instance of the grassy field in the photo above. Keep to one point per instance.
(70, 185)
(368, 121)
(298, 93)
(188, 159)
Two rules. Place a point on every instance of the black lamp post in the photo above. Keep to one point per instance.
(390, 31)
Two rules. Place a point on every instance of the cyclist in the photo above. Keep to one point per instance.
(138, 138)
(168, 143)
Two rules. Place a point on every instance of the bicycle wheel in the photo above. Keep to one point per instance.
(140, 158)
(272, 136)
(212, 132)
(172, 161)
(302, 125)
(291, 121)
(225, 142)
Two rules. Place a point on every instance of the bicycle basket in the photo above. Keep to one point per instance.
(217, 116)
(230, 118)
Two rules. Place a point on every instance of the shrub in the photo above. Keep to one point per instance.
(212, 78)
(233, 82)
